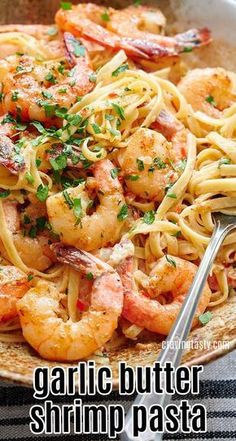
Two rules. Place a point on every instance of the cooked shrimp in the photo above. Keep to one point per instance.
(209, 90)
(171, 275)
(13, 285)
(122, 30)
(146, 164)
(142, 26)
(34, 252)
(34, 89)
(53, 336)
(84, 230)
(8, 156)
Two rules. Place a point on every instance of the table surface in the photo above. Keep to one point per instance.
(217, 393)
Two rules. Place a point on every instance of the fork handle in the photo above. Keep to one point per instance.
(179, 333)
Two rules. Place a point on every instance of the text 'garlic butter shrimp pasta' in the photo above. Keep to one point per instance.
(113, 157)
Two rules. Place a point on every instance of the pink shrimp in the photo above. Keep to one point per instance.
(170, 275)
(13, 286)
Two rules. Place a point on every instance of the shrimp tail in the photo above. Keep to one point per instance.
(80, 260)
(8, 156)
(193, 38)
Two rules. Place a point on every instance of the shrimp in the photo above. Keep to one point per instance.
(46, 328)
(13, 285)
(34, 251)
(122, 31)
(209, 90)
(170, 275)
(79, 228)
(146, 164)
(141, 27)
(8, 156)
(35, 89)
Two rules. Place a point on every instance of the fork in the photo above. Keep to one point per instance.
(173, 350)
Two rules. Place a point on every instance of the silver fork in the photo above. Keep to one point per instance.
(179, 333)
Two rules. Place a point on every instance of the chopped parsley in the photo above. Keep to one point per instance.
(224, 161)
(89, 276)
(123, 213)
(42, 192)
(93, 77)
(33, 232)
(159, 163)
(15, 95)
(96, 129)
(114, 172)
(187, 49)
(132, 177)
(59, 163)
(149, 217)
(170, 260)
(29, 178)
(211, 100)
(78, 48)
(205, 318)
(38, 126)
(120, 69)
(119, 110)
(77, 209)
(109, 117)
(30, 277)
(68, 199)
(51, 78)
(46, 94)
(171, 195)
(140, 164)
(66, 5)
(105, 16)
(4, 193)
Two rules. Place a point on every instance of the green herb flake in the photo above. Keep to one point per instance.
(123, 213)
(224, 161)
(26, 219)
(119, 110)
(77, 209)
(15, 95)
(171, 195)
(96, 129)
(46, 94)
(140, 164)
(114, 172)
(59, 163)
(149, 217)
(4, 193)
(51, 78)
(132, 177)
(41, 223)
(105, 16)
(68, 199)
(171, 261)
(211, 100)
(93, 77)
(66, 5)
(187, 49)
(205, 318)
(38, 162)
(29, 178)
(120, 69)
(33, 232)
(109, 117)
(42, 192)
(89, 276)
(159, 164)
(30, 277)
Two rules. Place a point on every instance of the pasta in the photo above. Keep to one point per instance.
(109, 159)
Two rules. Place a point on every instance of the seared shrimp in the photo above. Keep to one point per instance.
(209, 90)
(79, 228)
(44, 323)
(34, 251)
(122, 30)
(13, 285)
(146, 164)
(171, 275)
(34, 89)
(8, 154)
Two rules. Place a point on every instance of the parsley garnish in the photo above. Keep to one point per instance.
(170, 260)
(15, 95)
(119, 110)
(89, 276)
(29, 178)
(132, 177)
(78, 48)
(42, 192)
(105, 16)
(205, 318)
(114, 172)
(171, 195)
(149, 217)
(68, 199)
(93, 77)
(59, 163)
(66, 5)
(140, 164)
(224, 161)
(211, 100)
(120, 69)
(96, 129)
(77, 208)
(46, 94)
(30, 277)
(159, 163)
(123, 213)
(51, 78)
(4, 193)
(187, 49)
